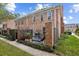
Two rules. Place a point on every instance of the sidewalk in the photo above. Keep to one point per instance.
(75, 35)
(28, 49)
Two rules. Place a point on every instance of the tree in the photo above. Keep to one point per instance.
(5, 14)
(77, 31)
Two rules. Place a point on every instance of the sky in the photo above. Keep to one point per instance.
(70, 10)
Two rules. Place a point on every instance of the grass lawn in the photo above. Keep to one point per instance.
(9, 50)
(68, 46)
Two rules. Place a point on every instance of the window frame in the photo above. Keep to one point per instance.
(49, 14)
(42, 18)
(33, 18)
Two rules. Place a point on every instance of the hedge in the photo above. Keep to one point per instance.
(11, 35)
(37, 46)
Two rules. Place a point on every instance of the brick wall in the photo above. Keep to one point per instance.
(9, 24)
(37, 25)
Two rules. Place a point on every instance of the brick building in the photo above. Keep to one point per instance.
(71, 27)
(7, 26)
(48, 22)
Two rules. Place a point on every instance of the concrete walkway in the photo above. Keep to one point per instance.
(28, 49)
(75, 35)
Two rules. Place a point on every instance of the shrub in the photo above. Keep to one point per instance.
(63, 36)
(26, 33)
(9, 37)
(37, 46)
(68, 33)
(77, 31)
(65, 32)
(12, 35)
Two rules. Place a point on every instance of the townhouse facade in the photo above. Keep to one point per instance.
(7, 25)
(71, 27)
(48, 23)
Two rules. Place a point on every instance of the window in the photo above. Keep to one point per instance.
(19, 23)
(57, 14)
(22, 22)
(4, 25)
(15, 23)
(41, 17)
(49, 15)
(33, 18)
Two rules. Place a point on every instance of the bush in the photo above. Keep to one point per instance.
(12, 35)
(9, 37)
(77, 31)
(37, 46)
(65, 32)
(68, 33)
(63, 36)
(26, 34)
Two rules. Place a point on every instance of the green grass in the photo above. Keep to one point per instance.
(9, 50)
(68, 46)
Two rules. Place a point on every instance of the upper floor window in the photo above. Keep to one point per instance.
(57, 12)
(49, 15)
(18, 22)
(33, 19)
(41, 17)
(22, 22)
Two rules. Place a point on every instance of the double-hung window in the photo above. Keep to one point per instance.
(33, 18)
(49, 15)
(41, 17)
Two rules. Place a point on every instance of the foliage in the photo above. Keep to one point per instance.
(13, 34)
(67, 46)
(68, 33)
(37, 46)
(77, 31)
(63, 36)
(5, 14)
(27, 34)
